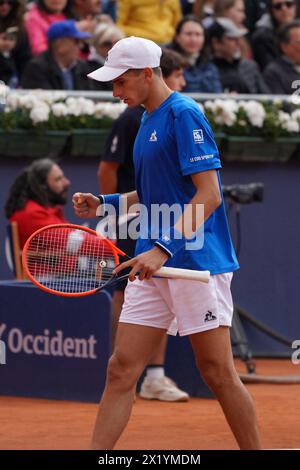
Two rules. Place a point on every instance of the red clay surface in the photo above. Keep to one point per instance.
(198, 424)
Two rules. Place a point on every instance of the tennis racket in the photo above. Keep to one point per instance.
(72, 261)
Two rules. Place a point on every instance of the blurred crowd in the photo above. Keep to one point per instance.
(234, 46)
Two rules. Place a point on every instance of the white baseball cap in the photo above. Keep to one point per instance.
(128, 53)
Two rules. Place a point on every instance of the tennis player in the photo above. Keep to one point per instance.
(176, 161)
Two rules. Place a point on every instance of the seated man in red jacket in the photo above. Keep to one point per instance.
(35, 200)
(36, 197)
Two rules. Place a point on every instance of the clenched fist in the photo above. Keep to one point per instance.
(85, 204)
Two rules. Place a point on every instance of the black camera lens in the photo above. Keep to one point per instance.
(244, 193)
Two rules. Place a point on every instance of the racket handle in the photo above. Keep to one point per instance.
(188, 274)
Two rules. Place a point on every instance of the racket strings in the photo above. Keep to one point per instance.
(70, 261)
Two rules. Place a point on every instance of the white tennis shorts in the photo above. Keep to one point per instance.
(179, 306)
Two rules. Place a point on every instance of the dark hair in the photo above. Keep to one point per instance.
(215, 30)
(15, 17)
(186, 19)
(68, 10)
(31, 183)
(156, 70)
(170, 61)
(283, 33)
(204, 55)
(221, 6)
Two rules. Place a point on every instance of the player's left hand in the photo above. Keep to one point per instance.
(144, 264)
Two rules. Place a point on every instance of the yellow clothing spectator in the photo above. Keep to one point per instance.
(150, 19)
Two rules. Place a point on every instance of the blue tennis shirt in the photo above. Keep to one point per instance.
(174, 142)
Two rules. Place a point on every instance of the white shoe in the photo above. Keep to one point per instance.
(163, 389)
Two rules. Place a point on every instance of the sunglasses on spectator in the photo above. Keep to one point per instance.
(279, 6)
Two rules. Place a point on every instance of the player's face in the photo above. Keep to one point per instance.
(57, 182)
(176, 80)
(132, 87)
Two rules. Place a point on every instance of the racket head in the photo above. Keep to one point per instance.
(69, 260)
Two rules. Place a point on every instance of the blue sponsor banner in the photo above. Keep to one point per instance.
(58, 348)
(53, 347)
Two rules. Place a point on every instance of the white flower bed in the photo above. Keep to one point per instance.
(56, 111)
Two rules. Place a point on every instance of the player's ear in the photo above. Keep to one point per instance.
(148, 73)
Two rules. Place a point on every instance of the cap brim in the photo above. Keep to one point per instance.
(234, 35)
(107, 74)
(83, 36)
(238, 34)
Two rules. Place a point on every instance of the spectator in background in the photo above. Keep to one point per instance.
(150, 19)
(86, 8)
(41, 15)
(8, 70)
(105, 36)
(59, 67)
(264, 41)
(201, 75)
(12, 16)
(232, 9)
(204, 9)
(116, 173)
(254, 11)
(237, 74)
(281, 74)
(235, 11)
(36, 197)
(88, 15)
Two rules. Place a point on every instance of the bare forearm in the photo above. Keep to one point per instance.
(131, 201)
(108, 185)
(199, 209)
(205, 201)
(107, 179)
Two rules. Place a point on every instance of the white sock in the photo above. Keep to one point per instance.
(155, 372)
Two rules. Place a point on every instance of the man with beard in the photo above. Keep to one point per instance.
(36, 198)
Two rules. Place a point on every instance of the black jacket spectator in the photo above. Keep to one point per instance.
(237, 74)
(7, 69)
(241, 76)
(14, 18)
(280, 75)
(254, 11)
(43, 72)
(264, 44)
(22, 53)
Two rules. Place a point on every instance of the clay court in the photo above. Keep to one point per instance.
(198, 424)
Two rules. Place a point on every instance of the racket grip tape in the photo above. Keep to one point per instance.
(188, 274)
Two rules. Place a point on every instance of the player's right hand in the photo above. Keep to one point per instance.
(85, 204)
